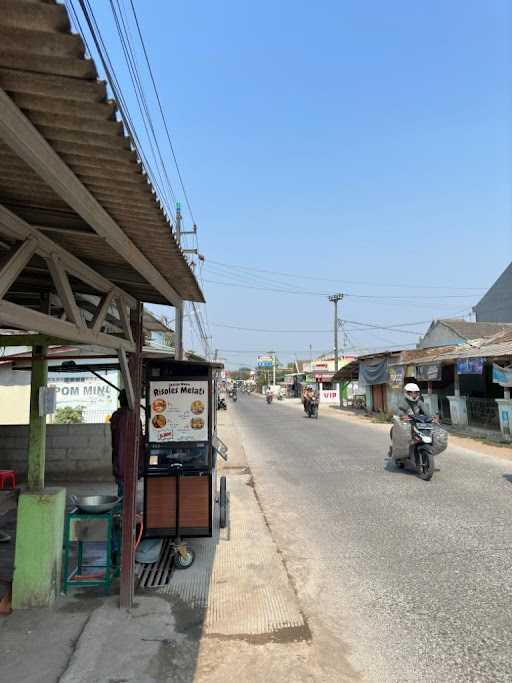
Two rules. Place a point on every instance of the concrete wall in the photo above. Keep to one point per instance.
(440, 335)
(496, 305)
(394, 398)
(79, 451)
(14, 396)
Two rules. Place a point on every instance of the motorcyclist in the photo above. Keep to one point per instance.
(309, 395)
(412, 402)
(269, 394)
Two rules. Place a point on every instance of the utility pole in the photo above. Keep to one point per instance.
(179, 309)
(335, 298)
(274, 369)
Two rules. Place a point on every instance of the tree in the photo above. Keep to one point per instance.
(242, 373)
(69, 415)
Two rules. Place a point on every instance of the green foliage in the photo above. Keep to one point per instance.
(69, 415)
(241, 373)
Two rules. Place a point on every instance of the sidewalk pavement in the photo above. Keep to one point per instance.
(233, 614)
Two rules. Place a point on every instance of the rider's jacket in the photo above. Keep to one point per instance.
(417, 407)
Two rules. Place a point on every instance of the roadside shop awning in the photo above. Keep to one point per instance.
(348, 373)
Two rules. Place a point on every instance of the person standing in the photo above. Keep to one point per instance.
(120, 446)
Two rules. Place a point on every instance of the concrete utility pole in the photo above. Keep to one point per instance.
(335, 298)
(179, 309)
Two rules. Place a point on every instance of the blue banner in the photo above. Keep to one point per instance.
(502, 376)
(470, 366)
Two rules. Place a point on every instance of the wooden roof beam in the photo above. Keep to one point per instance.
(12, 225)
(19, 317)
(20, 134)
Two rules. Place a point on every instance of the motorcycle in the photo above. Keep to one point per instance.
(312, 408)
(234, 396)
(270, 398)
(221, 404)
(420, 445)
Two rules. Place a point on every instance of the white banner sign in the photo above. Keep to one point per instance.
(178, 411)
(86, 391)
(329, 396)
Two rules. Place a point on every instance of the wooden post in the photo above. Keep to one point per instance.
(37, 426)
(130, 470)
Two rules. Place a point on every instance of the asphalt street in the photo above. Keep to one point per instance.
(414, 577)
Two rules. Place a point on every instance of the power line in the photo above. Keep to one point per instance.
(131, 61)
(369, 284)
(113, 81)
(364, 299)
(185, 194)
(242, 279)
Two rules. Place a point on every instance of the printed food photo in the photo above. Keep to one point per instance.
(159, 421)
(197, 407)
(197, 423)
(159, 405)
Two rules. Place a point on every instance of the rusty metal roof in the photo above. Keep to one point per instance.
(44, 71)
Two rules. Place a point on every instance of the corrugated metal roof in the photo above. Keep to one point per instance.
(44, 71)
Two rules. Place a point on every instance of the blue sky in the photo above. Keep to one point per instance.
(356, 142)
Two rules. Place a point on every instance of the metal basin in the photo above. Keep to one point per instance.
(95, 504)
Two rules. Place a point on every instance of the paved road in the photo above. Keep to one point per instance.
(416, 577)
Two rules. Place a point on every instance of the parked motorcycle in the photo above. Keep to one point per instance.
(415, 441)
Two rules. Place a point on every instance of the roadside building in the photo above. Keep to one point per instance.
(455, 331)
(320, 372)
(467, 384)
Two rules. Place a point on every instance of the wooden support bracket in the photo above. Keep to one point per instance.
(14, 262)
(61, 282)
(102, 311)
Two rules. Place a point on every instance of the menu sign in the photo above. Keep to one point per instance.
(178, 411)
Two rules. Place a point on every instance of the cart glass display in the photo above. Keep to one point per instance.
(179, 481)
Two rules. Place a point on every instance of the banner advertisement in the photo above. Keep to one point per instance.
(396, 376)
(178, 411)
(501, 375)
(470, 366)
(95, 398)
(428, 373)
(264, 361)
(329, 396)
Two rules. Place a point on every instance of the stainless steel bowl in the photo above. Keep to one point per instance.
(95, 504)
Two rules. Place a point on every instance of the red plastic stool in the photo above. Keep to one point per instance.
(7, 477)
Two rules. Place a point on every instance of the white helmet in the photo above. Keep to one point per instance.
(412, 391)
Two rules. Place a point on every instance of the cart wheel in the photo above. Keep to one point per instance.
(185, 560)
(223, 502)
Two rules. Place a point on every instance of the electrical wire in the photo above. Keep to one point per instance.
(131, 61)
(353, 295)
(338, 280)
(150, 70)
(110, 73)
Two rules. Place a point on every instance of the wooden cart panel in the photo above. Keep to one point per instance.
(195, 505)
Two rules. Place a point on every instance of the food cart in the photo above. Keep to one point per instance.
(180, 480)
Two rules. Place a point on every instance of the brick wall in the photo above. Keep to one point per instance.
(79, 451)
